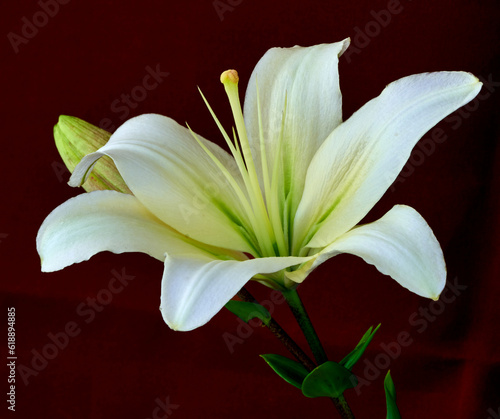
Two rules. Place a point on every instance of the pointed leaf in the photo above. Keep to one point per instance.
(353, 357)
(328, 380)
(291, 371)
(247, 311)
(390, 397)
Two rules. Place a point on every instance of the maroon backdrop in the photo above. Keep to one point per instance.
(120, 359)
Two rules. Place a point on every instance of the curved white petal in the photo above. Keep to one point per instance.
(172, 176)
(307, 79)
(194, 289)
(400, 244)
(363, 156)
(104, 220)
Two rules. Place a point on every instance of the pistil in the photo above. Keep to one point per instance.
(267, 240)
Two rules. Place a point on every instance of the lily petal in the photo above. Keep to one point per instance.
(400, 244)
(194, 289)
(363, 156)
(105, 220)
(175, 179)
(307, 80)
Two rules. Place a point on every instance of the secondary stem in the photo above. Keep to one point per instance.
(342, 407)
(300, 314)
(283, 337)
(305, 324)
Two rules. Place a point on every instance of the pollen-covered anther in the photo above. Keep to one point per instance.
(230, 76)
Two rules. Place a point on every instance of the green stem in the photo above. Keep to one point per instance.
(342, 407)
(302, 317)
(290, 344)
(282, 336)
(300, 314)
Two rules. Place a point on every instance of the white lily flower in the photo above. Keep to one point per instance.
(290, 196)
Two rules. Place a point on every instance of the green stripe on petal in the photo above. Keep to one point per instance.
(172, 176)
(400, 244)
(363, 156)
(110, 221)
(306, 80)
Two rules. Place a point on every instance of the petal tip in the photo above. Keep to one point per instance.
(74, 183)
(172, 325)
(345, 44)
(45, 268)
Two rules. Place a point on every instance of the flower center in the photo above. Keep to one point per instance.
(258, 196)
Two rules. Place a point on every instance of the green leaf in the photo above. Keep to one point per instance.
(247, 311)
(328, 380)
(390, 397)
(291, 371)
(353, 357)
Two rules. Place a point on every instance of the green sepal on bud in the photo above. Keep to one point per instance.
(75, 139)
(247, 311)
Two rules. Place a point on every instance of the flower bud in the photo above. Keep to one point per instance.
(75, 139)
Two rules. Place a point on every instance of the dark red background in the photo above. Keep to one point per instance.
(118, 366)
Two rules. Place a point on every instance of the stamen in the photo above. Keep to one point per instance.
(225, 172)
(276, 176)
(234, 148)
(230, 80)
(271, 196)
(248, 234)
